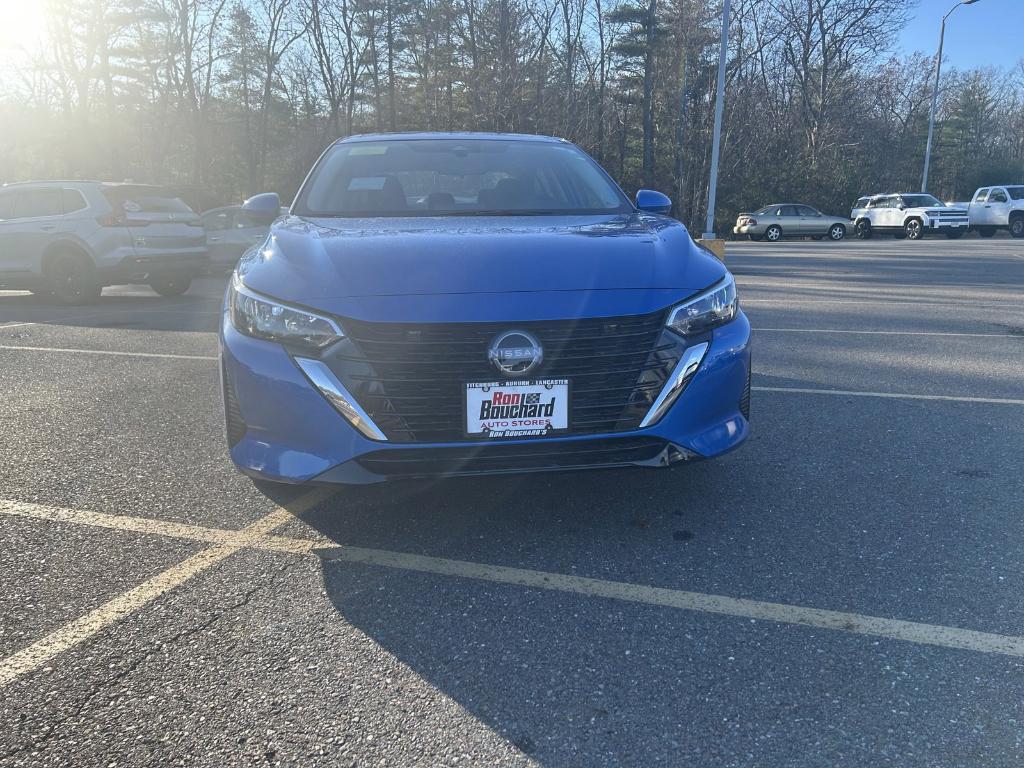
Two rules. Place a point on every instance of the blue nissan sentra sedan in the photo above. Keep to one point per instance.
(457, 304)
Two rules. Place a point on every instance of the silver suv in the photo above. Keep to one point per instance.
(70, 238)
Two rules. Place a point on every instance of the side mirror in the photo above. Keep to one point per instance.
(652, 202)
(901, 206)
(265, 207)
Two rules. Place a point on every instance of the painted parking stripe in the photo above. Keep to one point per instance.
(889, 303)
(78, 631)
(946, 334)
(153, 527)
(896, 629)
(78, 351)
(915, 632)
(891, 395)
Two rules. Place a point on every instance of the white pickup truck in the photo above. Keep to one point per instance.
(995, 208)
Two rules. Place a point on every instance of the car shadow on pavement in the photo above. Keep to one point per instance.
(565, 678)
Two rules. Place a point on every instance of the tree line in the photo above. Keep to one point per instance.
(232, 97)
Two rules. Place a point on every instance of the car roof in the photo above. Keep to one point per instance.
(455, 135)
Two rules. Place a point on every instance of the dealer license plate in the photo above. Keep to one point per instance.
(511, 409)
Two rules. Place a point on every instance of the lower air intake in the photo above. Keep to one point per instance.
(492, 459)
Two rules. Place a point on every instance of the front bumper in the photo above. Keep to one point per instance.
(946, 225)
(281, 428)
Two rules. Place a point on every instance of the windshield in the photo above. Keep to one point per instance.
(1017, 193)
(457, 177)
(921, 201)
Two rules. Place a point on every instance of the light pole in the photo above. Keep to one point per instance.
(716, 138)
(935, 93)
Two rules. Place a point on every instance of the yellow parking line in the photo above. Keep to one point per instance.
(153, 527)
(257, 536)
(68, 636)
(924, 634)
(892, 395)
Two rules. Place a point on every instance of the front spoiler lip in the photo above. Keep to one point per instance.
(352, 472)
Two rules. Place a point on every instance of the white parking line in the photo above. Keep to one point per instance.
(257, 535)
(893, 333)
(889, 303)
(891, 395)
(77, 351)
(78, 631)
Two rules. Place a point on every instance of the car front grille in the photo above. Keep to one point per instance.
(410, 378)
(498, 458)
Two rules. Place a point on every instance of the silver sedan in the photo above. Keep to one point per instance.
(779, 220)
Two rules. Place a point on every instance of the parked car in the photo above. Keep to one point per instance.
(994, 208)
(440, 304)
(911, 215)
(71, 238)
(860, 207)
(779, 220)
(232, 230)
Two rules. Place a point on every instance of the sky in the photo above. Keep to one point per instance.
(987, 33)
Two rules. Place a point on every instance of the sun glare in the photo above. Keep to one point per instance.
(22, 26)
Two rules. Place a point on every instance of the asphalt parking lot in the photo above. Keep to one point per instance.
(847, 589)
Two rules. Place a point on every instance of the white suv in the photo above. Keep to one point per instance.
(71, 238)
(910, 215)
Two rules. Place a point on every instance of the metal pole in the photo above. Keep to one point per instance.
(935, 98)
(716, 140)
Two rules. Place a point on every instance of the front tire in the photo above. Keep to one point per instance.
(72, 279)
(170, 286)
(987, 231)
(864, 229)
(773, 234)
(1017, 226)
(913, 229)
(955, 235)
(756, 238)
(836, 233)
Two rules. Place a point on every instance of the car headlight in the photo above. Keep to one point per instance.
(712, 308)
(263, 318)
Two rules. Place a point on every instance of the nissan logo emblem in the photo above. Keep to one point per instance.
(515, 353)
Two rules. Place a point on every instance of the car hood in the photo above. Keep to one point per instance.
(352, 266)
